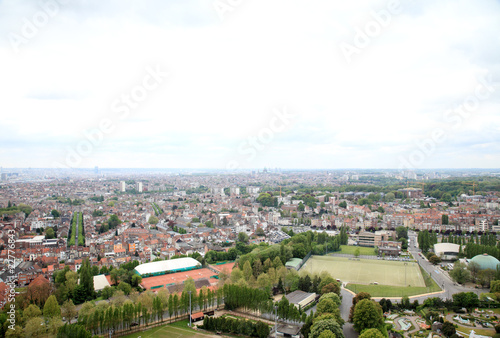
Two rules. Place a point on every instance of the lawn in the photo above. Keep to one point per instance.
(350, 250)
(367, 271)
(178, 329)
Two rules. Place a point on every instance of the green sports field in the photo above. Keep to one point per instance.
(366, 271)
(174, 330)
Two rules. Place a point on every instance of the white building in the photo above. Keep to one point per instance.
(138, 186)
(123, 186)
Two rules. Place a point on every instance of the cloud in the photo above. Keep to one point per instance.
(226, 77)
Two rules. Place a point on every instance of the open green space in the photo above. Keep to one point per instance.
(367, 271)
(175, 330)
(397, 291)
(350, 250)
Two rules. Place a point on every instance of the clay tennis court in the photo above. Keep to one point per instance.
(178, 278)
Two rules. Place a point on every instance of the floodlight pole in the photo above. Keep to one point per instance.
(276, 322)
(406, 263)
(189, 308)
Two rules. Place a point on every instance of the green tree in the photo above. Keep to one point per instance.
(87, 279)
(55, 213)
(444, 219)
(367, 315)
(35, 327)
(113, 221)
(371, 333)
(68, 309)
(153, 220)
(343, 204)
(51, 308)
(459, 273)
(448, 329)
(323, 325)
(243, 237)
(31, 311)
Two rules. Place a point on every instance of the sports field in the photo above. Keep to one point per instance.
(174, 330)
(366, 271)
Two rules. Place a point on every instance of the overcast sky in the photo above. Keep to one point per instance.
(250, 84)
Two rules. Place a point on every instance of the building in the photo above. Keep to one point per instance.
(447, 251)
(412, 192)
(485, 261)
(100, 282)
(288, 330)
(166, 267)
(300, 298)
(138, 186)
(123, 186)
(372, 239)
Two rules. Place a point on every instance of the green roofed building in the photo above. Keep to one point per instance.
(294, 263)
(485, 261)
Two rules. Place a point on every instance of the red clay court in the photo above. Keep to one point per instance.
(177, 278)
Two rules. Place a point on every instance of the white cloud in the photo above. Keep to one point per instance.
(225, 78)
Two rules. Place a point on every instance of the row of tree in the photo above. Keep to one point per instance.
(236, 326)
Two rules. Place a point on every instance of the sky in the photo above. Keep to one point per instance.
(237, 84)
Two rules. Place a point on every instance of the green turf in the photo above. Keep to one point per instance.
(350, 250)
(395, 291)
(366, 271)
(178, 329)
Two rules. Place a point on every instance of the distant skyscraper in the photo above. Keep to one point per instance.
(123, 186)
(96, 170)
(138, 186)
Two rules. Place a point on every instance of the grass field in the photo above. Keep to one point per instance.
(397, 291)
(349, 250)
(175, 330)
(366, 271)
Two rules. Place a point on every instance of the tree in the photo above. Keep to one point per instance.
(323, 325)
(51, 308)
(55, 213)
(389, 197)
(68, 309)
(401, 232)
(371, 333)
(356, 252)
(444, 219)
(360, 296)
(153, 220)
(434, 260)
(474, 269)
(31, 311)
(459, 273)
(87, 279)
(495, 286)
(448, 329)
(243, 237)
(343, 204)
(49, 233)
(367, 315)
(125, 287)
(35, 327)
(467, 300)
(113, 221)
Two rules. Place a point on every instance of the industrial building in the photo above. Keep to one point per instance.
(300, 298)
(166, 267)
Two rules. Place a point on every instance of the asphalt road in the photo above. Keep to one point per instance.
(441, 277)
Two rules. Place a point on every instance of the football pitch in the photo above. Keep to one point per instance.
(171, 331)
(366, 271)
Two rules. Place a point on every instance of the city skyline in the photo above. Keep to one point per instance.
(242, 85)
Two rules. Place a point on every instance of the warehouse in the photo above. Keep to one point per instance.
(168, 266)
(300, 298)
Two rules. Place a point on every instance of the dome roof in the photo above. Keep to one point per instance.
(485, 261)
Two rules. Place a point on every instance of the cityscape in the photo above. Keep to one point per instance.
(237, 168)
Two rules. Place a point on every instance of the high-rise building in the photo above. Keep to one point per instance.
(138, 186)
(96, 170)
(123, 186)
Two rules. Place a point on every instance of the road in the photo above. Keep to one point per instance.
(345, 307)
(442, 278)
